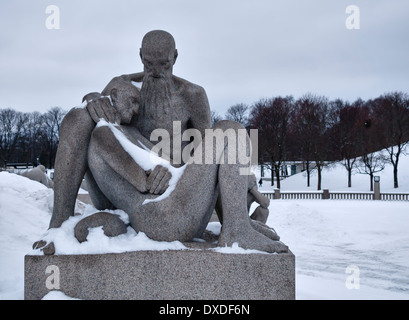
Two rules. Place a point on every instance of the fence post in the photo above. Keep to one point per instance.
(377, 188)
(277, 194)
(325, 194)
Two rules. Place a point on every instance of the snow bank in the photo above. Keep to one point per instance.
(25, 207)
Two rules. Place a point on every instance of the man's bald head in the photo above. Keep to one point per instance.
(158, 52)
(158, 40)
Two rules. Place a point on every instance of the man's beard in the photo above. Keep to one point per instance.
(156, 94)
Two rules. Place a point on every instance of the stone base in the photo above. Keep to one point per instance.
(169, 275)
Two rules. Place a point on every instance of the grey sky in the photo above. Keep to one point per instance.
(239, 51)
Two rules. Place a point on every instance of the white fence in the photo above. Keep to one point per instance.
(326, 194)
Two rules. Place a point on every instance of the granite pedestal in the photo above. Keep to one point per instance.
(172, 275)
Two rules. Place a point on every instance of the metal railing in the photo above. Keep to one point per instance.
(337, 195)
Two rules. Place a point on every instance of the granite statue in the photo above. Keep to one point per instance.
(38, 174)
(166, 195)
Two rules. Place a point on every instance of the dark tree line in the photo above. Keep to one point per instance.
(29, 138)
(318, 131)
(311, 129)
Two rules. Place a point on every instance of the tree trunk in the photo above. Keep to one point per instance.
(308, 173)
(349, 169)
(371, 177)
(277, 170)
(395, 169)
(395, 174)
(272, 175)
(319, 168)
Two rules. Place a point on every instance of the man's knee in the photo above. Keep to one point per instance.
(77, 121)
(75, 115)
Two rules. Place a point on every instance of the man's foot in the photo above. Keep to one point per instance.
(249, 238)
(47, 248)
(265, 229)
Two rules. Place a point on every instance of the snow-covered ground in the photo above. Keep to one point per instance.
(335, 178)
(328, 236)
(332, 240)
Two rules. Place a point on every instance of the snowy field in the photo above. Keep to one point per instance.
(327, 237)
(334, 178)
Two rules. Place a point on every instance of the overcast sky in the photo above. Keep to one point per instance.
(239, 51)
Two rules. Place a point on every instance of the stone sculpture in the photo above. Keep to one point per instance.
(38, 174)
(168, 198)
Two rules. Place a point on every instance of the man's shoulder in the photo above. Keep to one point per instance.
(188, 87)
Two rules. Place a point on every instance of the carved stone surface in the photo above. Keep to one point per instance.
(170, 275)
(110, 223)
(38, 174)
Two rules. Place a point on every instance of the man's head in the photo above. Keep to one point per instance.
(158, 54)
(126, 99)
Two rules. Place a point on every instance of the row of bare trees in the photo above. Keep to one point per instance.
(311, 129)
(318, 131)
(29, 138)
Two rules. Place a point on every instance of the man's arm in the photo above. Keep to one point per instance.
(135, 77)
(200, 110)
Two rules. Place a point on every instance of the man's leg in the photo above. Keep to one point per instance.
(237, 225)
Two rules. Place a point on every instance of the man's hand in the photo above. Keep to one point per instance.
(102, 109)
(158, 180)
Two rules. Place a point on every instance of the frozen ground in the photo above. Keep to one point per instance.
(326, 237)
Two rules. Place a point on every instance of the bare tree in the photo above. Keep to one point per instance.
(371, 141)
(272, 119)
(372, 163)
(346, 133)
(52, 122)
(11, 124)
(280, 116)
(32, 137)
(214, 117)
(238, 113)
(311, 126)
(393, 111)
(258, 119)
